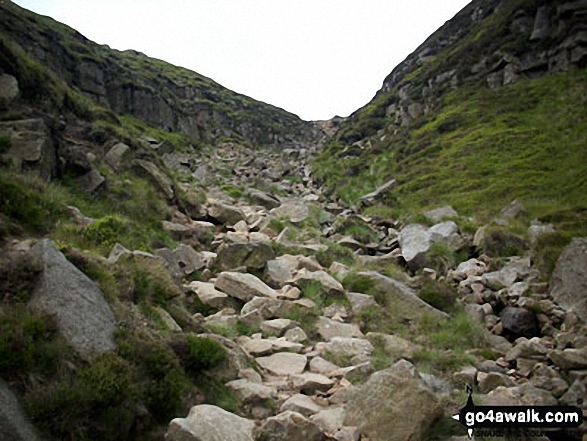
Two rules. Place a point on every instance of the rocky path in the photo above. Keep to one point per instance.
(292, 376)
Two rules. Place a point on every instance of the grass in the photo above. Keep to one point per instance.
(506, 144)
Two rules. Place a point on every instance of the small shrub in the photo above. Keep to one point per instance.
(161, 377)
(27, 202)
(441, 258)
(5, 144)
(18, 276)
(358, 283)
(335, 253)
(97, 402)
(106, 232)
(27, 341)
(440, 295)
(204, 353)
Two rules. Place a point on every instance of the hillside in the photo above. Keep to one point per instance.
(167, 97)
(489, 109)
(182, 263)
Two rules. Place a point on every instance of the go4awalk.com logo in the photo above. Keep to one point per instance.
(517, 417)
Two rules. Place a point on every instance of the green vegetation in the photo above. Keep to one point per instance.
(446, 342)
(439, 294)
(28, 342)
(204, 353)
(503, 144)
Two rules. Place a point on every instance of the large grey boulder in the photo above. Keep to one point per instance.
(242, 286)
(302, 404)
(439, 214)
(568, 284)
(14, 424)
(225, 213)
(295, 210)
(328, 285)
(519, 322)
(344, 346)
(209, 295)
(253, 255)
(393, 405)
(32, 147)
(290, 426)
(328, 329)
(263, 199)
(415, 241)
(153, 174)
(118, 156)
(83, 317)
(251, 392)
(284, 363)
(210, 423)
(407, 305)
(9, 90)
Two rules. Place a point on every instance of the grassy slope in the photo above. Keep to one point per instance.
(483, 148)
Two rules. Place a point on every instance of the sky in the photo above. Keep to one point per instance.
(314, 58)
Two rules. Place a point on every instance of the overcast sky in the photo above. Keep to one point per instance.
(315, 58)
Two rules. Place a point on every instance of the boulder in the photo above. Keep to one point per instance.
(393, 405)
(349, 347)
(330, 420)
(296, 335)
(91, 181)
(210, 423)
(568, 284)
(209, 295)
(118, 156)
(329, 286)
(256, 347)
(277, 327)
(309, 382)
(225, 213)
(471, 267)
(570, 359)
(268, 307)
(188, 259)
(394, 346)
(404, 299)
(320, 366)
(83, 316)
(290, 426)
(283, 363)
(439, 214)
(278, 273)
(155, 176)
(250, 392)
(253, 255)
(518, 322)
(296, 210)
(415, 241)
(9, 90)
(263, 199)
(328, 329)
(14, 423)
(31, 148)
(242, 286)
(360, 302)
(302, 404)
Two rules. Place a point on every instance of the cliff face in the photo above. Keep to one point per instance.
(130, 83)
(491, 43)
